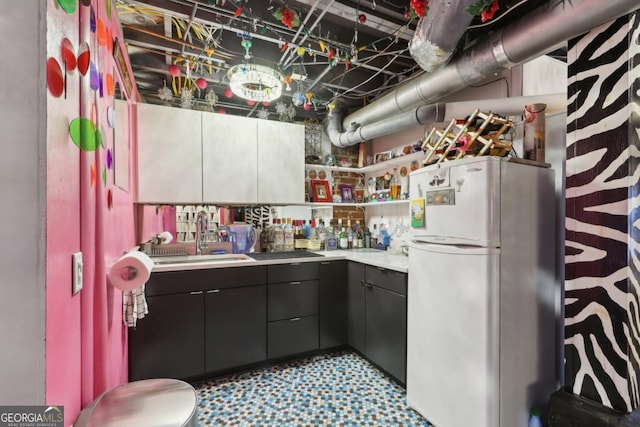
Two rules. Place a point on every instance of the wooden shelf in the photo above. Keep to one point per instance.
(397, 161)
(328, 205)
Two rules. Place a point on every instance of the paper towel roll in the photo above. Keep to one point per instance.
(165, 237)
(130, 271)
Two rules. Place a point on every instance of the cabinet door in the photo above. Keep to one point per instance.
(169, 341)
(386, 331)
(280, 162)
(169, 155)
(236, 327)
(356, 305)
(292, 336)
(229, 159)
(295, 299)
(332, 286)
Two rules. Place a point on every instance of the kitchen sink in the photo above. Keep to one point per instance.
(191, 259)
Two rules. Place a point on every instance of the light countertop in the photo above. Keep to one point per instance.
(365, 256)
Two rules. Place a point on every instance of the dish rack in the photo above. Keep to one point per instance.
(460, 139)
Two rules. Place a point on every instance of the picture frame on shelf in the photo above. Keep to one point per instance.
(346, 191)
(320, 191)
(382, 156)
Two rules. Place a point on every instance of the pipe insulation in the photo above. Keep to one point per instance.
(542, 30)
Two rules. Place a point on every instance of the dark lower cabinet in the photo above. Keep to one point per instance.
(378, 316)
(332, 294)
(386, 330)
(235, 327)
(169, 342)
(356, 311)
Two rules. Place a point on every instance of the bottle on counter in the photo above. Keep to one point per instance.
(367, 238)
(374, 236)
(278, 236)
(349, 235)
(289, 243)
(265, 241)
(321, 232)
(331, 243)
(299, 239)
(359, 238)
(343, 244)
(306, 228)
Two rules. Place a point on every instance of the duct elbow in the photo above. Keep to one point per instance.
(339, 138)
(438, 33)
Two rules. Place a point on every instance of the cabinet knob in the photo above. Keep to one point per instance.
(325, 262)
(295, 319)
(196, 293)
(213, 291)
(295, 283)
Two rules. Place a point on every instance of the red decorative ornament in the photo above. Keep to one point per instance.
(237, 12)
(221, 111)
(266, 103)
(307, 106)
(287, 17)
(490, 11)
(251, 103)
(284, 47)
(362, 18)
(407, 14)
(174, 70)
(228, 93)
(201, 83)
(332, 53)
(419, 7)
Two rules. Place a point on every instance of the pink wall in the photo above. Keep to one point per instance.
(86, 341)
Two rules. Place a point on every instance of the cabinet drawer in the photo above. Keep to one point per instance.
(292, 336)
(387, 279)
(172, 282)
(294, 299)
(295, 271)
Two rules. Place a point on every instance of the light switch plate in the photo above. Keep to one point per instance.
(77, 272)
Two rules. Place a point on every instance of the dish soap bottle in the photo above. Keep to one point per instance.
(534, 419)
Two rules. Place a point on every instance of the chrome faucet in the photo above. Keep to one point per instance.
(202, 229)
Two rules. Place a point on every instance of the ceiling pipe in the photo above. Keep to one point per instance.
(438, 33)
(544, 29)
(439, 112)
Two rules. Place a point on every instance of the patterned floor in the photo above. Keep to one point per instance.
(338, 390)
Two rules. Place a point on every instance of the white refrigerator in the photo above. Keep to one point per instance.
(480, 304)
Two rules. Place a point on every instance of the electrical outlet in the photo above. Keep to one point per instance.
(77, 272)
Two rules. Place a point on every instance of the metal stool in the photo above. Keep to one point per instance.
(146, 403)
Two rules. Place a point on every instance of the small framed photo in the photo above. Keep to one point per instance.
(320, 191)
(383, 156)
(346, 191)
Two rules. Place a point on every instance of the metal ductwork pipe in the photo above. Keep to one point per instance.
(420, 116)
(438, 113)
(438, 33)
(544, 29)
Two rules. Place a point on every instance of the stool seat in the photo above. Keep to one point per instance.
(157, 402)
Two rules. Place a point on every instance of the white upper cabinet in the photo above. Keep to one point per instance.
(229, 158)
(280, 162)
(169, 155)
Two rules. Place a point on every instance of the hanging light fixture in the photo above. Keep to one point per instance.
(255, 82)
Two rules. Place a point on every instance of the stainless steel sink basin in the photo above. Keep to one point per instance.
(197, 259)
